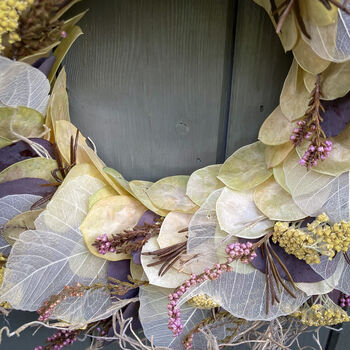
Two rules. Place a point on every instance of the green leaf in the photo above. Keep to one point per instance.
(30, 59)
(26, 122)
(169, 193)
(277, 204)
(246, 168)
(63, 48)
(33, 167)
(70, 23)
(19, 224)
(4, 142)
(63, 10)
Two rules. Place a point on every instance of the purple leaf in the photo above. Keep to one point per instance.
(136, 257)
(299, 269)
(26, 185)
(336, 115)
(19, 151)
(45, 64)
(335, 296)
(149, 217)
(120, 270)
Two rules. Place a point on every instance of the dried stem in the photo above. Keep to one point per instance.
(62, 169)
(115, 287)
(284, 15)
(340, 6)
(167, 256)
(310, 128)
(273, 277)
(129, 241)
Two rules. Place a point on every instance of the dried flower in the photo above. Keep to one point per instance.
(62, 169)
(203, 301)
(237, 251)
(310, 129)
(3, 260)
(59, 340)
(345, 300)
(115, 287)
(127, 242)
(37, 28)
(318, 238)
(10, 11)
(214, 321)
(323, 312)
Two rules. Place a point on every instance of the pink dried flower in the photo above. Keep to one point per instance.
(236, 251)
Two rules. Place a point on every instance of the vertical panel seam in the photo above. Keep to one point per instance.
(221, 154)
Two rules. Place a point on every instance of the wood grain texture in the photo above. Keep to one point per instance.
(148, 83)
(259, 69)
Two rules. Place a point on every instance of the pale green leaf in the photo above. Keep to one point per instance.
(109, 216)
(294, 97)
(119, 180)
(278, 175)
(334, 81)
(10, 207)
(63, 48)
(276, 129)
(171, 279)
(238, 215)
(4, 142)
(31, 59)
(25, 121)
(202, 182)
(33, 167)
(169, 232)
(277, 204)
(246, 168)
(169, 194)
(275, 155)
(139, 191)
(315, 193)
(338, 161)
(104, 192)
(20, 223)
(307, 59)
(56, 258)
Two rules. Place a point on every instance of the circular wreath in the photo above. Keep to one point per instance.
(251, 251)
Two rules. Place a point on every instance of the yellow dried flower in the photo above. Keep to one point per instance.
(322, 313)
(318, 238)
(2, 271)
(10, 10)
(203, 301)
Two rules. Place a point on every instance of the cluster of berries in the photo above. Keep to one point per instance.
(236, 251)
(59, 340)
(103, 245)
(68, 291)
(319, 148)
(345, 300)
(315, 153)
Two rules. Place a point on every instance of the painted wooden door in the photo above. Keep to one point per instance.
(164, 87)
